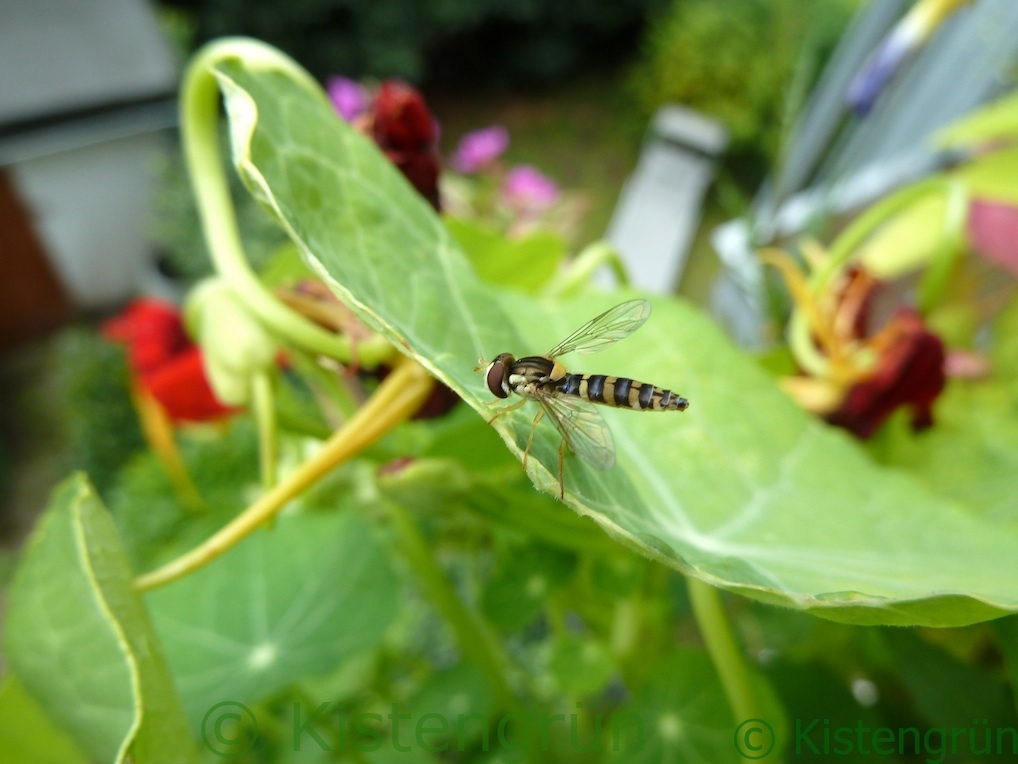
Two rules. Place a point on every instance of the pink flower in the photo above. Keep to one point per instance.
(480, 148)
(528, 189)
(993, 233)
(348, 97)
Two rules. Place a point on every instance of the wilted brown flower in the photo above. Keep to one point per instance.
(856, 377)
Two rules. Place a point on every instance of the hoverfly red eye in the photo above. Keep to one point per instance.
(498, 377)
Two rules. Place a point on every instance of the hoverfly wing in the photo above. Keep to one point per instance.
(604, 330)
(584, 430)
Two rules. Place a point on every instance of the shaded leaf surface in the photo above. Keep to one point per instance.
(744, 490)
(290, 601)
(680, 717)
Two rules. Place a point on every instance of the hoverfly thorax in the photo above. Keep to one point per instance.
(497, 375)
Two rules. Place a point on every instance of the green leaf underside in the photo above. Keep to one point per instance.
(743, 490)
(81, 642)
(289, 602)
(28, 734)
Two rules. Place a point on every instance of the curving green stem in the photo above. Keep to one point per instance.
(577, 276)
(398, 396)
(199, 116)
(724, 651)
(937, 277)
(844, 247)
(800, 337)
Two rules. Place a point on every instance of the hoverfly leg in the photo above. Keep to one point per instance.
(507, 409)
(530, 440)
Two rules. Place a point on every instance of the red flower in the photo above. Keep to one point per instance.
(908, 372)
(164, 360)
(404, 128)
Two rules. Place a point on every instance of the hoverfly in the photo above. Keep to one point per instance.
(564, 397)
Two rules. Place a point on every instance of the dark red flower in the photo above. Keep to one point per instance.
(852, 376)
(404, 128)
(909, 372)
(164, 360)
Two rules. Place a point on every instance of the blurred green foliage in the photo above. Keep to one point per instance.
(747, 63)
(99, 419)
(178, 233)
(438, 42)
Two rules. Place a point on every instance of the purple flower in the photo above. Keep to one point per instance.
(526, 188)
(907, 36)
(880, 67)
(348, 97)
(480, 148)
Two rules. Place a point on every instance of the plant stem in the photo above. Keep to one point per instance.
(476, 644)
(571, 281)
(724, 651)
(160, 436)
(199, 106)
(950, 247)
(398, 396)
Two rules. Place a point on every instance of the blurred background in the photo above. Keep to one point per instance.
(686, 131)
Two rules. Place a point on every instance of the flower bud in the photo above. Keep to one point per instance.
(236, 345)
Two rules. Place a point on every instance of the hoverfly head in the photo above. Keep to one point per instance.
(497, 375)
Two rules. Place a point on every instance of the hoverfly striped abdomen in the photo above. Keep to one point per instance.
(621, 392)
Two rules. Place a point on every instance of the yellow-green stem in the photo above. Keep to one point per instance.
(724, 651)
(396, 399)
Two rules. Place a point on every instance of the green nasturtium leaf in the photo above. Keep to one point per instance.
(972, 453)
(79, 638)
(27, 733)
(460, 690)
(744, 490)
(526, 263)
(521, 585)
(291, 601)
(579, 666)
(908, 241)
(997, 121)
(681, 715)
(948, 692)
(992, 177)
